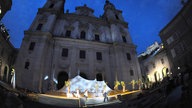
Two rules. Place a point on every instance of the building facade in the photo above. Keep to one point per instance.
(7, 51)
(154, 64)
(7, 55)
(5, 5)
(177, 38)
(61, 45)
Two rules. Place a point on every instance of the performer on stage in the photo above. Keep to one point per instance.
(86, 94)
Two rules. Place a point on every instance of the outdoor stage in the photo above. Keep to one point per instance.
(61, 99)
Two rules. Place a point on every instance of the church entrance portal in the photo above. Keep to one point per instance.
(62, 77)
(83, 75)
(99, 77)
(165, 71)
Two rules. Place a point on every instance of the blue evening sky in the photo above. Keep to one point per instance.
(145, 17)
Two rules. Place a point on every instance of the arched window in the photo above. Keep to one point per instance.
(83, 34)
(99, 77)
(61, 78)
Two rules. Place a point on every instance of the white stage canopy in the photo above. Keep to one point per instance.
(82, 84)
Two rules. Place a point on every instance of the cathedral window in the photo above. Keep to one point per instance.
(97, 38)
(32, 46)
(39, 27)
(162, 61)
(128, 56)
(124, 39)
(116, 16)
(82, 36)
(82, 54)
(64, 52)
(131, 72)
(27, 65)
(68, 33)
(153, 65)
(99, 55)
(51, 6)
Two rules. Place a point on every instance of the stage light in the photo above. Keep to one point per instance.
(46, 77)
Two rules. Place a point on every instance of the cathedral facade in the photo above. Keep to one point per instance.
(61, 45)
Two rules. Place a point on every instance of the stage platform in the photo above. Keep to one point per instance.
(57, 99)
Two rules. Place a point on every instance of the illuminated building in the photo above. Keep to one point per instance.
(7, 55)
(176, 37)
(59, 46)
(154, 63)
(7, 51)
(5, 5)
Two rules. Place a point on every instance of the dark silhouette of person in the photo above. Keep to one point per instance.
(105, 96)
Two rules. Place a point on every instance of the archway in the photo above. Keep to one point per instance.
(6, 72)
(99, 77)
(164, 72)
(61, 78)
(83, 75)
(155, 75)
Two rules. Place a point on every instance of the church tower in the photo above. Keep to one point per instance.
(47, 15)
(36, 47)
(54, 5)
(111, 13)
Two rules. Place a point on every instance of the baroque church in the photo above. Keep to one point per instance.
(60, 45)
